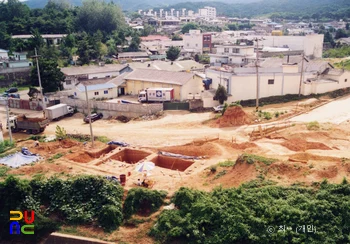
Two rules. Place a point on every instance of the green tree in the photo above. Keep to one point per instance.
(328, 38)
(340, 34)
(232, 27)
(347, 26)
(173, 53)
(36, 41)
(221, 94)
(176, 37)
(51, 76)
(96, 15)
(5, 39)
(135, 42)
(190, 26)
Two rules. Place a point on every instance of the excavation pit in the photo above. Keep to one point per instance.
(85, 157)
(172, 163)
(130, 156)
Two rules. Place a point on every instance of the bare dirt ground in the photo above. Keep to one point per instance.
(303, 156)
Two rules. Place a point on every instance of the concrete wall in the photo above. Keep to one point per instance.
(112, 93)
(193, 86)
(311, 44)
(115, 109)
(19, 75)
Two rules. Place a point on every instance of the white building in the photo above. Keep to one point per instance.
(4, 54)
(207, 12)
(312, 45)
(278, 79)
(232, 54)
(74, 75)
(193, 41)
(96, 91)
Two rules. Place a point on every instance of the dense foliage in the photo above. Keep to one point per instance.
(142, 200)
(173, 53)
(221, 94)
(78, 200)
(245, 214)
(297, 9)
(341, 52)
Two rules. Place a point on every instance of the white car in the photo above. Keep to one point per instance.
(219, 108)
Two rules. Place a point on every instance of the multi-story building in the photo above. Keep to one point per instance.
(197, 42)
(207, 12)
(232, 54)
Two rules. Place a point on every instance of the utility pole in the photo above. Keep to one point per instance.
(8, 118)
(89, 114)
(257, 75)
(39, 78)
(302, 71)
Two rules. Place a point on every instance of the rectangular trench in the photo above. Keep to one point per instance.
(172, 163)
(130, 156)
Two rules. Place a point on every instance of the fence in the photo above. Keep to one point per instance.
(176, 106)
(25, 104)
(114, 109)
(265, 130)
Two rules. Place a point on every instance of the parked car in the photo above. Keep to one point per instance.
(94, 117)
(11, 95)
(12, 90)
(218, 108)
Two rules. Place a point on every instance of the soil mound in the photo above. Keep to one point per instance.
(298, 144)
(233, 116)
(306, 157)
(193, 149)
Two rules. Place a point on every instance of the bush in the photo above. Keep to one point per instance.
(277, 114)
(227, 163)
(314, 125)
(267, 115)
(251, 159)
(213, 169)
(143, 200)
(110, 217)
(242, 215)
(6, 145)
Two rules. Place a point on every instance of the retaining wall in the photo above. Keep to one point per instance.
(114, 109)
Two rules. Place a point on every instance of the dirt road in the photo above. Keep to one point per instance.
(177, 127)
(335, 112)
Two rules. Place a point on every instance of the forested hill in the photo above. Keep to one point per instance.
(291, 9)
(132, 5)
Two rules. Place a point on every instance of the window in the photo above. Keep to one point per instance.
(226, 50)
(346, 80)
(205, 45)
(105, 92)
(188, 44)
(235, 50)
(68, 82)
(196, 45)
(108, 76)
(271, 81)
(96, 93)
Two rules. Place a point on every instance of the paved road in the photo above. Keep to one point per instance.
(335, 112)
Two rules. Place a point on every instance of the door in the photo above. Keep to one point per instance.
(122, 91)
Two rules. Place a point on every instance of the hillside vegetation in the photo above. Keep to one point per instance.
(258, 213)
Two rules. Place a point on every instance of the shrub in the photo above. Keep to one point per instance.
(213, 169)
(227, 163)
(143, 200)
(60, 132)
(221, 173)
(110, 217)
(6, 145)
(241, 215)
(251, 159)
(277, 114)
(314, 125)
(267, 115)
